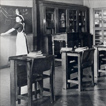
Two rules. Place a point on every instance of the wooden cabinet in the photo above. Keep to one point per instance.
(99, 25)
(56, 17)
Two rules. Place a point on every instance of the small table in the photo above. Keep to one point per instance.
(65, 54)
(96, 60)
(14, 61)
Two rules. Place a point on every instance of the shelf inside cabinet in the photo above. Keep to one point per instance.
(98, 32)
(98, 23)
(98, 37)
(104, 23)
(97, 42)
(72, 20)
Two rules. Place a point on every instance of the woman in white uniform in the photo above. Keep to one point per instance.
(21, 44)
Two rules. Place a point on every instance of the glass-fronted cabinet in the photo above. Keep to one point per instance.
(57, 18)
(60, 19)
(99, 25)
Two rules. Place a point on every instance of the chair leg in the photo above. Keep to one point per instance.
(82, 88)
(52, 97)
(40, 86)
(19, 92)
(92, 71)
(35, 86)
(68, 85)
(99, 74)
(99, 68)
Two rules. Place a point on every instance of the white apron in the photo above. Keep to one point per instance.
(21, 44)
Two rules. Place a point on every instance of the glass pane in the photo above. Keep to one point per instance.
(50, 22)
(104, 33)
(82, 21)
(98, 23)
(104, 13)
(72, 21)
(62, 20)
(97, 42)
(98, 14)
(98, 36)
(104, 22)
(98, 33)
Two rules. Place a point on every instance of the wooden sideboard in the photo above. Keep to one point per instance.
(57, 17)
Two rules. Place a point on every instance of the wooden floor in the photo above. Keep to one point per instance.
(91, 96)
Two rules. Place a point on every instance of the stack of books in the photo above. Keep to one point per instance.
(35, 54)
(65, 49)
(80, 49)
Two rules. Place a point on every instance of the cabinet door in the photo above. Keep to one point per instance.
(98, 36)
(104, 25)
(82, 21)
(72, 21)
(61, 20)
(98, 26)
(50, 21)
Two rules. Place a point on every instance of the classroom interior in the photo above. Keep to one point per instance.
(66, 30)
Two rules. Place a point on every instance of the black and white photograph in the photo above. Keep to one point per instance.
(52, 52)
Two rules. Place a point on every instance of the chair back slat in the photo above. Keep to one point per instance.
(88, 56)
(44, 64)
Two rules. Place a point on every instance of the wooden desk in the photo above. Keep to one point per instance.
(65, 55)
(14, 61)
(96, 61)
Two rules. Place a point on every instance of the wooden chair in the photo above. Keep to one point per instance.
(22, 81)
(38, 67)
(46, 65)
(87, 60)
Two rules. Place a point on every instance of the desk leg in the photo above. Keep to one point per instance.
(52, 82)
(96, 65)
(64, 69)
(13, 84)
(79, 73)
(29, 83)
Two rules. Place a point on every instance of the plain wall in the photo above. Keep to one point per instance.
(8, 47)
(7, 43)
(28, 3)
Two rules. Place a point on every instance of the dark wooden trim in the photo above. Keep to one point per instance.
(34, 23)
